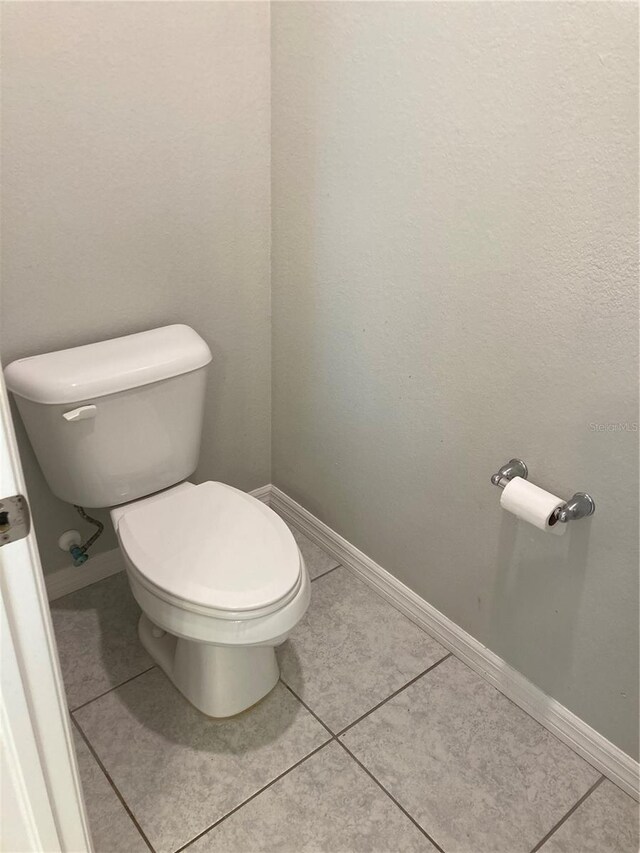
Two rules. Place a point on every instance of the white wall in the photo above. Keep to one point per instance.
(136, 193)
(454, 283)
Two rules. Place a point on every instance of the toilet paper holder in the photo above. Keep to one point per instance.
(581, 505)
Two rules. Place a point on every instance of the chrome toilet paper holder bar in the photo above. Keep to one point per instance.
(581, 505)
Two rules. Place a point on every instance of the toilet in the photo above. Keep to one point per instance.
(217, 574)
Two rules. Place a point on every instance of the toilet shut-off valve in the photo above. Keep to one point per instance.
(71, 540)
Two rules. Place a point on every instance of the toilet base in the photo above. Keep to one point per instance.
(219, 680)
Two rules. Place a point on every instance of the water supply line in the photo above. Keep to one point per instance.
(79, 552)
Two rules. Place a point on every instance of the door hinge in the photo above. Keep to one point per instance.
(15, 522)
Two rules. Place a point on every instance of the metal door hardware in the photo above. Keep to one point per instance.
(15, 522)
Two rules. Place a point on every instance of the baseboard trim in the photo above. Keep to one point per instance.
(263, 493)
(71, 578)
(103, 565)
(616, 765)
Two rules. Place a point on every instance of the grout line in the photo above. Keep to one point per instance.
(568, 814)
(561, 723)
(253, 796)
(332, 738)
(328, 572)
(391, 797)
(392, 695)
(359, 763)
(112, 783)
(304, 704)
(111, 689)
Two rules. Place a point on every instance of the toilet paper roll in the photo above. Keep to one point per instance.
(532, 504)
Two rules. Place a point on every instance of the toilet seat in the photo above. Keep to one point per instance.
(137, 577)
(222, 660)
(211, 549)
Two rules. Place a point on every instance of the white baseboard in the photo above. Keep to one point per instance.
(71, 578)
(103, 565)
(566, 726)
(263, 493)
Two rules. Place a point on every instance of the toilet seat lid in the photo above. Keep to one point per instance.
(212, 545)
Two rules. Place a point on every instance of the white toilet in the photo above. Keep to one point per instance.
(217, 574)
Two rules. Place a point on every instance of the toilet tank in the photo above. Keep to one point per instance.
(116, 420)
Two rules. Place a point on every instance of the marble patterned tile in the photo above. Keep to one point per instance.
(326, 804)
(472, 768)
(178, 770)
(606, 821)
(112, 830)
(352, 650)
(96, 632)
(317, 561)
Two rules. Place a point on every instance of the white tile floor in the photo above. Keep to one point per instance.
(376, 739)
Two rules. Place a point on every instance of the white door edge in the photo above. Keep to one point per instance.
(42, 802)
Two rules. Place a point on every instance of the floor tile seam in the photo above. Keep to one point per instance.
(111, 689)
(458, 657)
(113, 785)
(371, 710)
(395, 605)
(310, 710)
(255, 794)
(335, 737)
(394, 694)
(390, 796)
(568, 814)
(297, 529)
(327, 572)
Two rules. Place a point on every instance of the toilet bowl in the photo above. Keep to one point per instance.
(220, 582)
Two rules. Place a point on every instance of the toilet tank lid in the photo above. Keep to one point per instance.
(106, 367)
